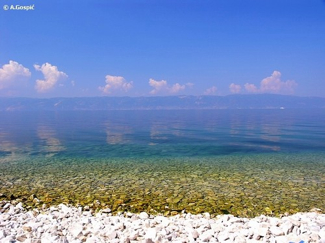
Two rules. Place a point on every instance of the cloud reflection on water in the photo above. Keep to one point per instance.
(117, 134)
(49, 141)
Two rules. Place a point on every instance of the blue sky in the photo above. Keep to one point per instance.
(170, 47)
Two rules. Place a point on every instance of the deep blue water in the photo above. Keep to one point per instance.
(173, 133)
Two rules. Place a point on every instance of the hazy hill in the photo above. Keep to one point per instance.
(256, 101)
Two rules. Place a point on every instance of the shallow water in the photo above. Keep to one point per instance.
(243, 162)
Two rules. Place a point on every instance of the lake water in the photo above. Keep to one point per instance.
(244, 162)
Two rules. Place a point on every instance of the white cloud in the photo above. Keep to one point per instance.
(162, 87)
(115, 83)
(251, 88)
(190, 85)
(51, 76)
(273, 84)
(176, 88)
(234, 88)
(12, 73)
(211, 91)
(158, 86)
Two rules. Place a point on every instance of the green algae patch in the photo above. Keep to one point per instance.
(242, 185)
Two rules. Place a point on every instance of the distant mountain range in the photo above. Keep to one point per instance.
(256, 101)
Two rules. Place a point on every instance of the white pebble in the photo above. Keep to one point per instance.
(143, 215)
(277, 231)
(68, 224)
(76, 230)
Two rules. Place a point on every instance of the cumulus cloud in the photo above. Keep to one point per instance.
(273, 84)
(190, 85)
(176, 88)
(12, 73)
(211, 91)
(234, 88)
(162, 86)
(251, 88)
(51, 77)
(157, 86)
(115, 83)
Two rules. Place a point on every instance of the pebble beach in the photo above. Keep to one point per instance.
(64, 223)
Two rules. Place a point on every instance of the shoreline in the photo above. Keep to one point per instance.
(71, 224)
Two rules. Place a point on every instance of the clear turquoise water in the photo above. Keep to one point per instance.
(245, 162)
